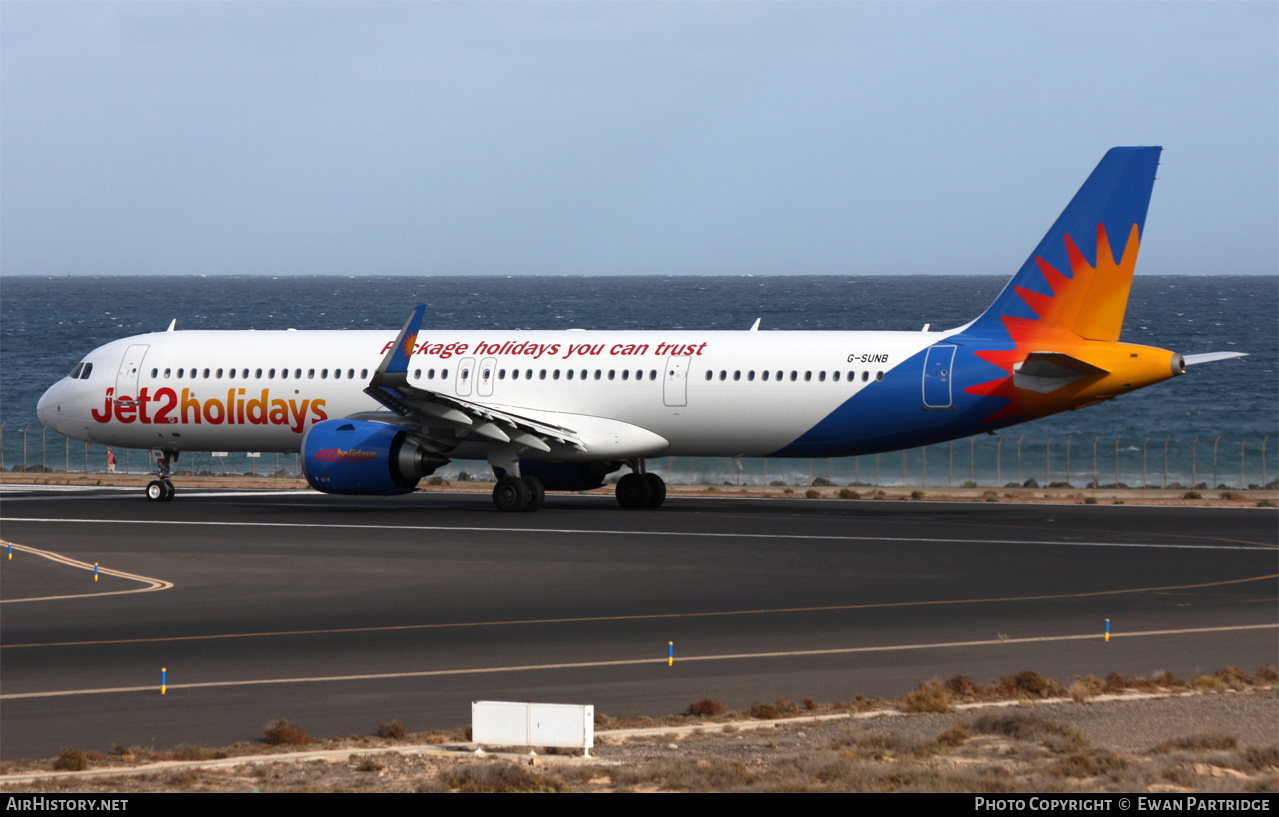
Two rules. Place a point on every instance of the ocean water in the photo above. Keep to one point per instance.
(47, 324)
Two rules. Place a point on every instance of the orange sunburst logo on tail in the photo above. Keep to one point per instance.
(1088, 304)
(409, 343)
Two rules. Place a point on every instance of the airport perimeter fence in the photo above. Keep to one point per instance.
(1205, 462)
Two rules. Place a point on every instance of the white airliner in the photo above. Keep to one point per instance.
(372, 412)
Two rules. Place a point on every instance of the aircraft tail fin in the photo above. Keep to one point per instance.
(1079, 276)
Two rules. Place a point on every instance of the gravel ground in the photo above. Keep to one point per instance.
(1230, 742)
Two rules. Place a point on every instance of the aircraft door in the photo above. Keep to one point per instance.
(938, 375)
(675, 387)
(486, 375)
(465, 374)
(126, 381)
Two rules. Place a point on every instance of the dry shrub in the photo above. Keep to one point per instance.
(785, 706)
(955, 736)
(1098, 763)
(189, 752)
(813, 493)
(281, 732)
(765, 712)
(1234, 678)
(497, 777)
(71, 760)
(1268, 674)
(930, 696)
(1029, 684)
(917, 494)
(707, 708)
(809, 704)
(392, 730)
(1020, 726)
(848, 493)
(961, 686)
(1203, 742)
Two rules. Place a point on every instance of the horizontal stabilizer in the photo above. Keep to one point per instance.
(1209, 357)
(1046, 372)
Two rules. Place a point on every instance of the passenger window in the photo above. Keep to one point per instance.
(528, 374)
(324, 374)
(155, 373)
(570, 374)
(501, 374)
(350, 374)
(794, 375)
(709, 374)
(515, 374)
(764, 374)
(257, 375)
(444, 374)
(599, 373)
(879, 377)
(297, 374)
(808, 376)
(737, 375)
(639, 374)
(417, 374)
(430, 374)
(750, 375)
(626, 374)
(180, 371)
(584, 374)
(652, 374)
(611, 373)
(556, 375)
(337, 374)
(167, 372)
(723, 375)
(270, 375)
(835, 376)
(865, 376)
(219, 375)
(821, 376)
(206, 374)
(284, 374)
(541, 375)
(364, 374)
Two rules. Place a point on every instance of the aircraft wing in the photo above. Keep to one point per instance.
(438, 416)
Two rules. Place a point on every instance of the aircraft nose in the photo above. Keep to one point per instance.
(49, 407)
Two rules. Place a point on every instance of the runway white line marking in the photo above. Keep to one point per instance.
(590, 532)
(661, 661)
(152, 584)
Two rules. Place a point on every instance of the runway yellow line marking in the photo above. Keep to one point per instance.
(151, 584)
(645, 616)
(632, 662)
(599, 532)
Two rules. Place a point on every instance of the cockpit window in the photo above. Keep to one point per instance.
(75, 373)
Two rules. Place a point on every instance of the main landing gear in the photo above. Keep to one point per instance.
(162, 490)
(514, 494)
(640, 489)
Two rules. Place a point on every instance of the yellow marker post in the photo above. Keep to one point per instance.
(1107, 630)
(164, 677)
(95, 571)
(670, 653)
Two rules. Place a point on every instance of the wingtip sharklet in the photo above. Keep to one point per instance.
(396, 361)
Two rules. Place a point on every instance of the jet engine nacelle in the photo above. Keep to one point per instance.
(361, 457)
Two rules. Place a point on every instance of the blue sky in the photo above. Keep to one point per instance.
(623, 138)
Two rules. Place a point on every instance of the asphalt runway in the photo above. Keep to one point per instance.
(343, 613)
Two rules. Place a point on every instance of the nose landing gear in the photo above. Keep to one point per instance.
(162, 490)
